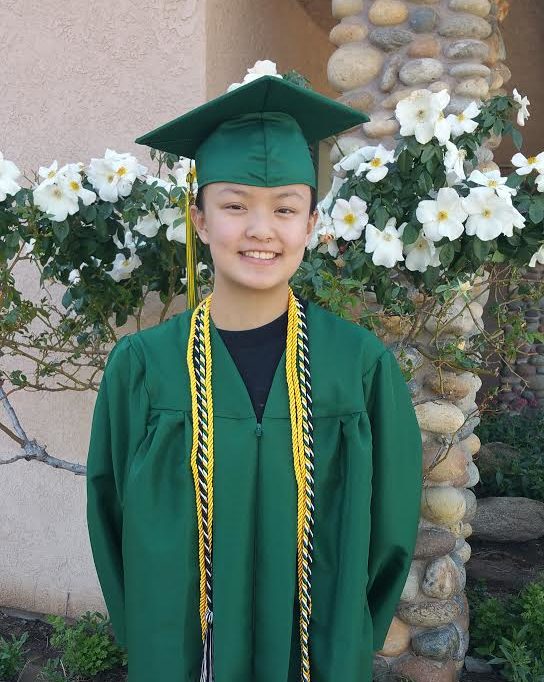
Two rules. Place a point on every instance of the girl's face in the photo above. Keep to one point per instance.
(241, 218)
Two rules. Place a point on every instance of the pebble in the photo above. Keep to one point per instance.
(537, 382)
(419, 669)
(433, 542)
(389, 39)
(398, 638)
(479, 7)
(470, 70)
(429, 613)
(345, 32)
(388, 12)
(353, 65)
(345, 8)
(471, 503)
(395, 97)
(467, 49)
(418, 71)
(453, 466)
(439, 416)
(443, 505)
(423, 19)
(453, 386)
(497, 50)
(390, 74)
(424, 47)
(441, 578)
(381, 126)
(439, 644)
(346, 145)
(458, 104)
(410, 590)
(464, 26)
(359, 99)
(473, 87)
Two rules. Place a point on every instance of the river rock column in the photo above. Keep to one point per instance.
(428, 637)
(389, 48)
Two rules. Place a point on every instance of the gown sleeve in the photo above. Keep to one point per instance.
(118, 427)
(396, 489)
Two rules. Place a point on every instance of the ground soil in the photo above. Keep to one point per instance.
(506, 567)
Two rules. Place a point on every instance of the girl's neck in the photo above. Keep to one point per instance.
(247, 310)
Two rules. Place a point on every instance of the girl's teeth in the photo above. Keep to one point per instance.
(256, 254)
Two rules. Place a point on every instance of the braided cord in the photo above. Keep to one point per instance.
(199, 362)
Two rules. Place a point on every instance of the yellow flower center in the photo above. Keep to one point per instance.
(349, 218)
(442, 215)
(121, 170)
(74, 184)
(486, 213)
(110, 177)
(376, 163)
(421, 114)
(531, 160)
(51, 174)
(461, 117)
(57, 192)
(493, 183)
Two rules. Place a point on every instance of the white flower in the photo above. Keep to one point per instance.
(376, 164)
(421, 254)
(489, 216)
(55, 200)
(324, 235)
(526, 165)
(147, 225)
(443, 216)
(9, 173)
(540, 182)
(168, 216)
(442, 129)
(49, 174)
(523, 111)
(74, 276)
(537, 256)
(463, 122)
(199, 269)
(494, 180)
(419, 113)
(353, 160)
(384, 245)
(122, 267)
(69, 178)
(114, 175)
(262, 67)
(327, 200)
(454, 159)
(349, 217)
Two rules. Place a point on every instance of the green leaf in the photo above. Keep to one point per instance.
(60, 229)
(428, 152)
(517, 138)
(536, 211)
(447, 254)
(480, 248)
(404, 162)
(514, 180)
(410, 234)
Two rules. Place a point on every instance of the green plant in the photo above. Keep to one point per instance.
(521, 476)
(11, 656)
(509, 632)
(53, 671)
(87, 646)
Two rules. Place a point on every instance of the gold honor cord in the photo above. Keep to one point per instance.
(297, 366)
(190, 244)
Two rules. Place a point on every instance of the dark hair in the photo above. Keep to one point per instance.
(199, 199)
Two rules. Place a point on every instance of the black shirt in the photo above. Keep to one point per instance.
(256, 353)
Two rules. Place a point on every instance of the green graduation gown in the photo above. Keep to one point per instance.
(141, 511)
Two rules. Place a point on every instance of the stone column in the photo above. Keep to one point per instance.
(387, 49)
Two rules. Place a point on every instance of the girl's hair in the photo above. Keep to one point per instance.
(199, 199)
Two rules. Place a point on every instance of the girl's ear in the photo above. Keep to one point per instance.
(197, 216)
(311, 225)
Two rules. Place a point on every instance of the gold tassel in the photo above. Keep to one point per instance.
(190, 239)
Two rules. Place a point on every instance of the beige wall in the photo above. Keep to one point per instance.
(78, 78)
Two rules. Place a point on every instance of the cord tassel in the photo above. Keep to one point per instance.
(206, 674)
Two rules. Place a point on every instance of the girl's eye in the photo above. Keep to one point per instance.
(287, 209)
(233, 206)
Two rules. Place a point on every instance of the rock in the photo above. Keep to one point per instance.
(478, 665)
(471, 504)
(426, 46)
(433, 542)
(536, 382)
(441, 578)
(439, 644)
(439, 416)
(509, 519)
(410, 590)
(346, 145)
(423, 19)
(497, 50)
(388, 12)
(504, 71)
(395, 97)
(473, 87)
(348, 33)
(451, 467)
(450, 385)
(359, 99)
(418, 71)
(353, 65)
(457, 104)
(390, 73)
(419, 669)
(444, 505)
(390, 39)
(462, 550)
(345, 8)
(430, 613)
(381, 126)
(494, 456)
(472, 444)
(467, 49)
(397, 639)
(470, 70)
(479, 7)
(464, 26)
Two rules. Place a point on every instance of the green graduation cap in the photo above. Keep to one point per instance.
(257, 134)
